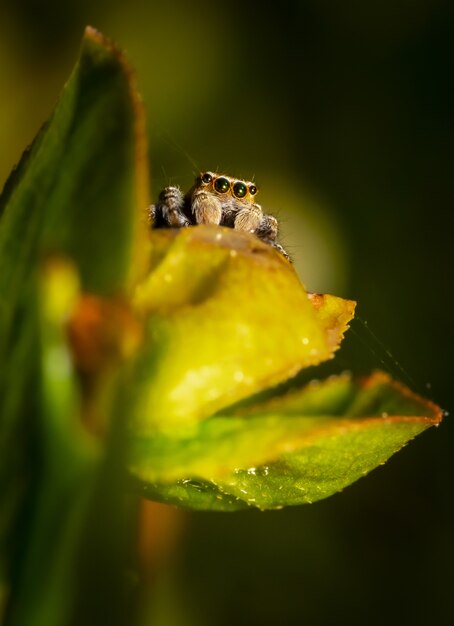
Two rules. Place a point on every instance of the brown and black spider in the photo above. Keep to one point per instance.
(216, 199)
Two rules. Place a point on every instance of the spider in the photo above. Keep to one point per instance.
(216, 199)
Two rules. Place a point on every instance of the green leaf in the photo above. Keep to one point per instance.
(71, 223)
(295, 449)
(83, 187)
(227, 316)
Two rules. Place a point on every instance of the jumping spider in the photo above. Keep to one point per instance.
(216, 199)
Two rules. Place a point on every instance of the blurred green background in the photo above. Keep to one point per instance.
(342, 113)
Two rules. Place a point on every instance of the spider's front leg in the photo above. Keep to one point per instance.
(268, 228)
(267, 231)
(169, 211)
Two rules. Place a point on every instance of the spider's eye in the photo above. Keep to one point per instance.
(206, 178)
(252, 190)
(239, 190)
(222, 185)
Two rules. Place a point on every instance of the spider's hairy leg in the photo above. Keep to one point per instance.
(268, 228)
(267, 231)
(277, 246)
(206, 208)
(169, 211)
(152, 217)
(249, 218)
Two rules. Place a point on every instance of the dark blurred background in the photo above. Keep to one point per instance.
(342, 113)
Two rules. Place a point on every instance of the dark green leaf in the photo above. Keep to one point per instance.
(78, 195)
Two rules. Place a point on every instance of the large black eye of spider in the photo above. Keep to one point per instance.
(239, 189)
(252, 190)
(222, 185)
(206, 178)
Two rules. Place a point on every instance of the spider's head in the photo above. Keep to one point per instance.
(221, 184)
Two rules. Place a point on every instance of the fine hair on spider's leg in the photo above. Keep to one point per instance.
(279, 248)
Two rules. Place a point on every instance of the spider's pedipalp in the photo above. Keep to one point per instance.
(249, 218)
(206, 208)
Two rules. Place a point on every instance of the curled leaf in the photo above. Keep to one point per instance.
(227, 316)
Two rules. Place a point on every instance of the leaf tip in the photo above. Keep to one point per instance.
(433, 414)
